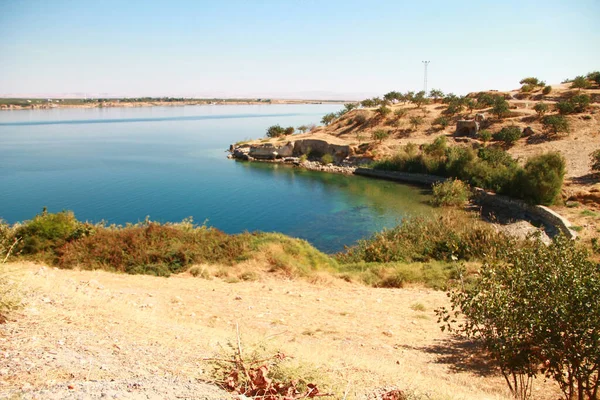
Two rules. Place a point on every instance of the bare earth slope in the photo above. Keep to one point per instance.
(89, 334)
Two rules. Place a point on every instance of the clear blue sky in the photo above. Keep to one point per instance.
(279, 48)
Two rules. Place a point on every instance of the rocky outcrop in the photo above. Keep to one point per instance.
(312, 148)
(467, 127)
(318, 148)
(268, 151)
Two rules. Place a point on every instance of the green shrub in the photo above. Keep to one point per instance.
(485, 135)
(401, 112)
(580, 82)
(508, 135)
(441, 121)
(527, 88)
(565, 107)
(541, 109)
(595, 164)
(594, 76)
(531, 81)
(452, 192)
(328, 118)
(540, 182)
(555, 124)
(546, 91)
(289, 130)
(360, 118)
(384, 111)
(536, 312)
(580, 102)
(48, 231)
(380, 135)
(500, 106)
(326, 159)
(275, 131)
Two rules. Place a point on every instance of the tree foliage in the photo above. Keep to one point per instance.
(555, 124)
(500, 107)
(328, 119)
(275, 131)
(416, 121)
(537, 312)
(580, 82)
(541, 108)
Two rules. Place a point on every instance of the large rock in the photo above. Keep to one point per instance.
(268, 151)
(318, 148)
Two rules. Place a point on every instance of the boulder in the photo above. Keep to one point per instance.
(268, 151)
(528, 131)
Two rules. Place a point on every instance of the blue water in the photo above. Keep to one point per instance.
(120, 165)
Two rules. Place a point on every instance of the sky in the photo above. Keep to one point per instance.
(322, 49)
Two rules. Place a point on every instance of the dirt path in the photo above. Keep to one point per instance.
(107, 335)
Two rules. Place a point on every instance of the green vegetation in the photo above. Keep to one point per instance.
(275, 131)
(580, 82)
(491, 168)
(453, 192)
(541, 108)
(302, 128)
(328, 119)
(380, 135)
(555, 124)
(441, 122)
(508, 135)
(384, 111)
(531, 81)
(546, 91)
(416, 121)
(576, 104)
(529, 332)
(9, 294)
(436, 94)
(500, 107)
(595, 162)
(326, 159)
(485, 135)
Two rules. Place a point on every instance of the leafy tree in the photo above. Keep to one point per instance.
(539, 307)
(436, 94)
(485, 99)
(470, 104)
(391, 96)
(367, 103)
(409, 96)
(289, 130)
(349, 107)
(380, 135)
(420, 99)
(580, 82)
(500, 107)
(581, 102)
(541, 109)
(449, 98)
(416, 121)
(596, 161)
(594, 76)
(556, 124)
(485, 135)
(302, 128)
(530, 81)
(328, 119)
(565, 107)
(275, 131)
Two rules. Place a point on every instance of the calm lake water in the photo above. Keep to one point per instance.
(123, 164)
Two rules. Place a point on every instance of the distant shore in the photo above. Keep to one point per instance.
(29, 104)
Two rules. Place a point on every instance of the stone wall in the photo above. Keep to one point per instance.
(508, 205)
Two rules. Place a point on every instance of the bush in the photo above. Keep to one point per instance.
(289, 131)
(540, 182)
(485, 135)
(546, 91)
(527, 88)
(531, 81)
(500, 107)
(328, 118)
(275, 131)
(537, 308)
(384, 111)
(452, 192)
(360, 118)
(326, 159)
(541, 109)
(595, 161)
(594, 76)
(581, 102)
(508, 135)
(380, 135)
(580, 82)
(555, 124)
(441, 121)
(400, 113)
(416, 121)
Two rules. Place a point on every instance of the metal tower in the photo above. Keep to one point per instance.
(425, 64)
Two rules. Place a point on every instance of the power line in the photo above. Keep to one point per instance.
(425, 64)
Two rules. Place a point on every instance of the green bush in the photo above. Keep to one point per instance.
(326, 159)
(380, 135)
(595, 164)
(384, 111)
(580, 82)
(540, 182)
(527, 88)
(452, 192)
(594, 76)
(328, 118)
(541, 109)
(275, 131)
(441, 121)
(400, 113)
(485, 135)
(546, 91)
(416, 121)
(508, 135)
(500, 106)
(555, 124)
(531, 81)
(536, 312)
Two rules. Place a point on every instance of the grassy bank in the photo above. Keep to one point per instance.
(422, 250)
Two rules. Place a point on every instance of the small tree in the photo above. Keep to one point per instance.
(594, 76)
(500, 107)
(416, 121)
(508, 135)
(275, 131)
(289, 130)
(470, 104)
(530, 81)
(400, 113)
(541, 109)
(541, 180)
(302, 128)
(441, 121)
(485, 135)
(349, 107)
(580, 82)
(581, 102)
(420, 99)
(328, 119)
(555, 124)
(546, 91)
(436, 94)
(367, 103)
(380, 135)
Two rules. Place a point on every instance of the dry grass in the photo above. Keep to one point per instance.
(86, 325)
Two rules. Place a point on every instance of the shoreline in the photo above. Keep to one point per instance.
(118, 103)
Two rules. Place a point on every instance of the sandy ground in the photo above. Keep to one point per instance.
(84, 333)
